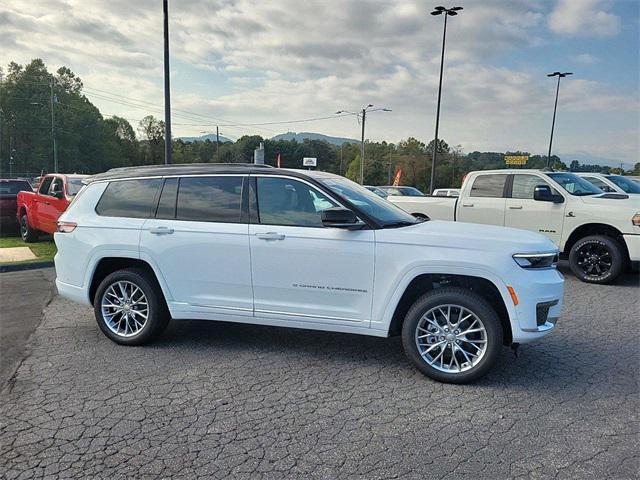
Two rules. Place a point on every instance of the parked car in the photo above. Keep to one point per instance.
(381, 193)
(612, 183)
(39, 211)
(253, 244)
(446, 192)
(9, 189)
(599, 231)
(402, 191)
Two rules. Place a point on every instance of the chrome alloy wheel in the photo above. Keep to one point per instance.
(451, 338)
(125, 308)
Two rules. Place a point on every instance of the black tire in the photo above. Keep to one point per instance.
(27, 232)
(157, 315)
(472, 302)
(597, 259)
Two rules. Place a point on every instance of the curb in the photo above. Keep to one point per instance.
(25, 266)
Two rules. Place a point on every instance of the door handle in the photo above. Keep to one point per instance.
(467, 204)
(161, 230)
(516, 207)
(270, 236)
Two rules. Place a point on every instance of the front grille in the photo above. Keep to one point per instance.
(542, 311)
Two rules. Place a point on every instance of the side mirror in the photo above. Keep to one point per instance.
(542, 193)
(339, 217)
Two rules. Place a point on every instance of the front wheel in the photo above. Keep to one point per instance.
(452, 335)
(596, 259)
(129, 307)
(27, 232)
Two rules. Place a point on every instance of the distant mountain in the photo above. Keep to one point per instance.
(208, 136)
(300, 137)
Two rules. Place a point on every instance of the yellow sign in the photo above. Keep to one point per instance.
(516, 159)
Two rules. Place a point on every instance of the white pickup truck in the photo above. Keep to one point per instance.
(599, 231)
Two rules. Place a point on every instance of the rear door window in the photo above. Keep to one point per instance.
(129, 198)
(167, 204)
(210, 199)
(491, 186)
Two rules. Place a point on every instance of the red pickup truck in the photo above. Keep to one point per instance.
(39, 211)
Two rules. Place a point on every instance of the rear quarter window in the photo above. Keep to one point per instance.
(129, 198)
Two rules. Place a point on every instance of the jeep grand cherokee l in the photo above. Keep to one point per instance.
(303, 249)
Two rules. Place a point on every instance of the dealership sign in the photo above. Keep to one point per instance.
(309, 162)
(516, 159)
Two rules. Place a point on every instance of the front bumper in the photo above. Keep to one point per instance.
(540, 295)
(633, 246)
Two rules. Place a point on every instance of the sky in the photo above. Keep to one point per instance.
(241, 62)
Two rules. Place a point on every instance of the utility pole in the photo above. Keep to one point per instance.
(364, 116)
(341, 146)
(555, 107)
(167, 89)
(217, 144)
(53, 133)
(447, 12)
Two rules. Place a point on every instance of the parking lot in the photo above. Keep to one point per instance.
(227, 400)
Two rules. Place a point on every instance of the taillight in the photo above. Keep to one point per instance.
(66, 227)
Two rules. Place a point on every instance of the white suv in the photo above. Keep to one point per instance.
(303, 249)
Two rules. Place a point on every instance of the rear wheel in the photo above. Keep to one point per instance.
(129, 307)
(452, 335)
(27, 232)
(596, 259)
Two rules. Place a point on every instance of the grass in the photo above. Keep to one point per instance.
(44, 249)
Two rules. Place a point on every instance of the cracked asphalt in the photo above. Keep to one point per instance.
(220, 400)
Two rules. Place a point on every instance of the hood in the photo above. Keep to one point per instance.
(630, 201)
(470, 236)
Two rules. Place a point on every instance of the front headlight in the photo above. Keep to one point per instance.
(636, 219)
(537, 260)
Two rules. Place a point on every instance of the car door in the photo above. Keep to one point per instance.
(302, 270)
(56, 204)
(483, 201)
(48, 206)
(529, 214)
(199, 241)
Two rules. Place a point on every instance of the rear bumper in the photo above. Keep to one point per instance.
(73, 293)
(633, 246)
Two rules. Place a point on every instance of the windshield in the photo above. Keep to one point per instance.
(73, 186)
(575, 185)
(411, 192)
(626, 184)
(377, 208)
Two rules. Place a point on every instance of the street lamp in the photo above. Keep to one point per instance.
(167, 88)
(447, 12)
(362, 114)
(555, 107)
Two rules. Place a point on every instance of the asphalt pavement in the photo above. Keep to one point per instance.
(219, 400)
(23, 295)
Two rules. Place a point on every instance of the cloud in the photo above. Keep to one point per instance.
(583, 18)
(253, 62)
(585, 59)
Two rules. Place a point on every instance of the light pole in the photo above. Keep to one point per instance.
(555, 107)
(167, 89)
(447, 12)
(362, 114)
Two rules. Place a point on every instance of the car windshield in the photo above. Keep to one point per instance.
(411, 192)
(12, 187)
(74, 185)
(626, 184)
(575, 185)
(376, 207)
